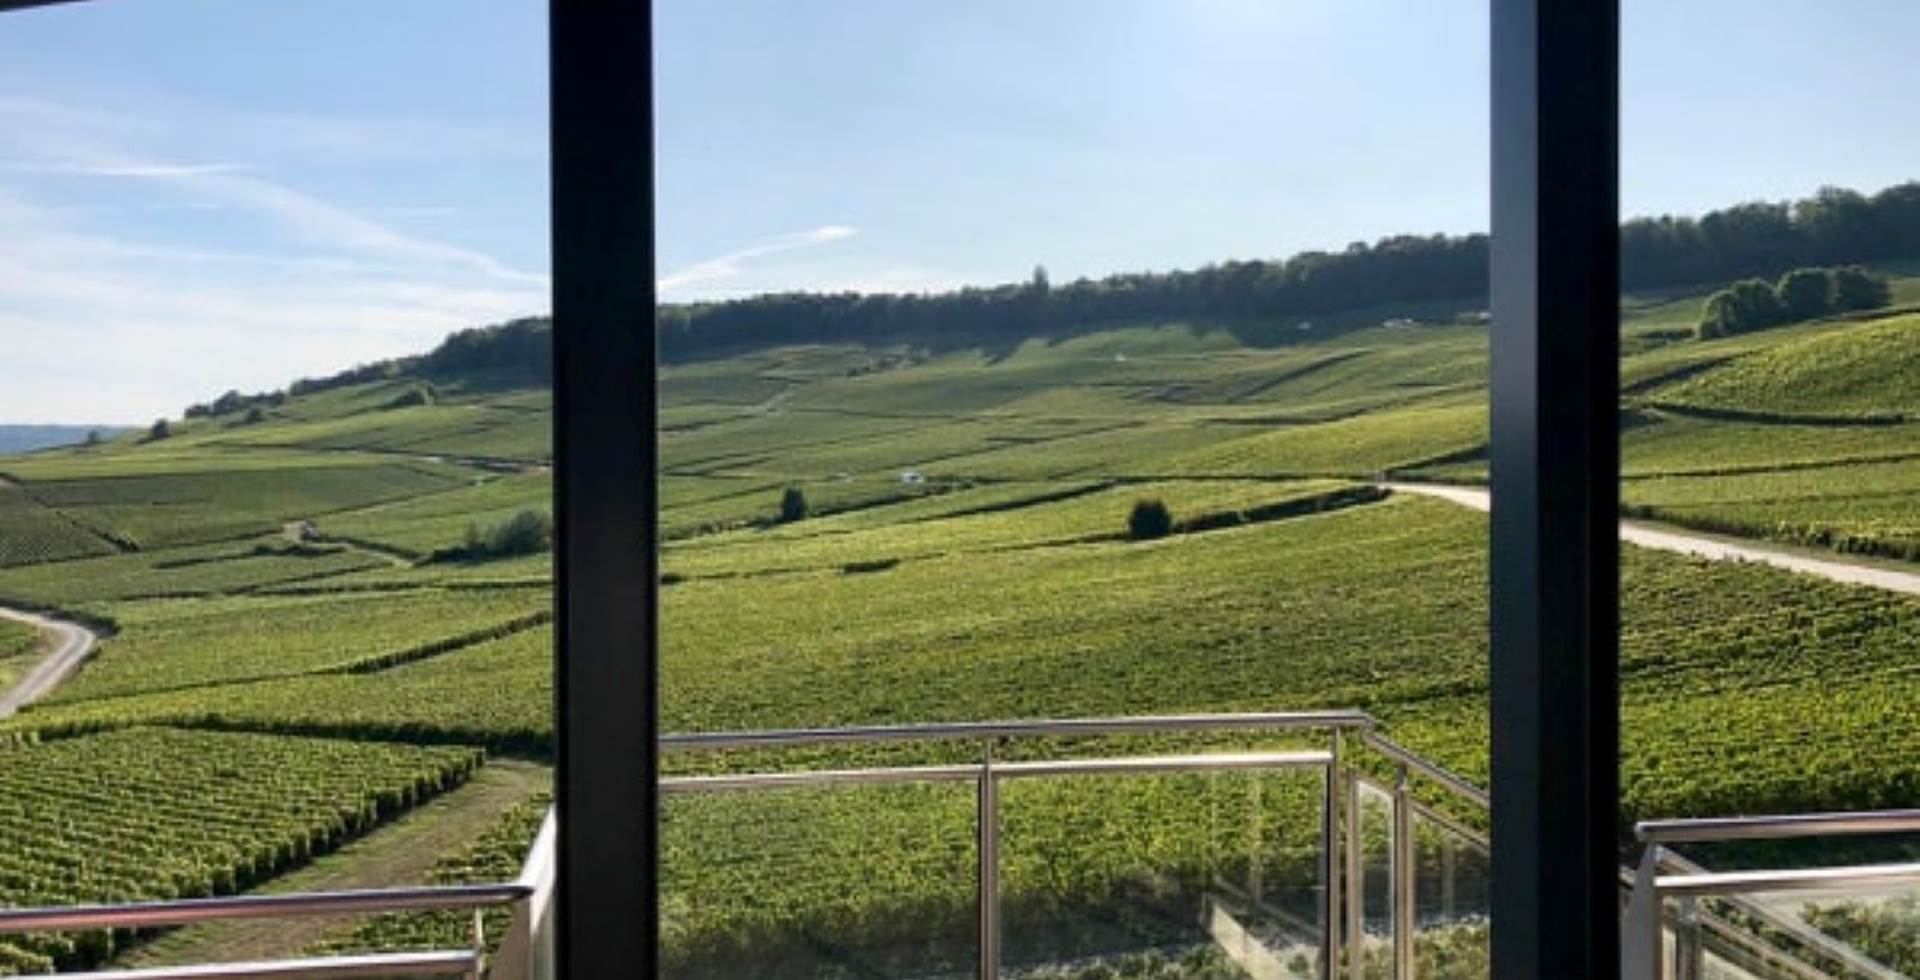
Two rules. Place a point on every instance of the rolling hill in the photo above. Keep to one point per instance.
(291, 579)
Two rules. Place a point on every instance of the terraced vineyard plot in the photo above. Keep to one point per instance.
(421, 525)
(159, 813)
(162, 511)
(1745, 689)
(174, 457)
(761, 505)
(735, 444)
(1660, 443)
(740, 381)
(200, 570)
(500, 573)
(1099, 629)
(167, 644)
(498, 694)
(958, 501)
(936, 447)
(31, 533)
(466, 429)
(1360, 446)
(1130, 450)
(1867, 508)
(1871, 368)
(1089, 517)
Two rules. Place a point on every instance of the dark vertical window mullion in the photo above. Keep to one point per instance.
(605, 496)
(1555, 461)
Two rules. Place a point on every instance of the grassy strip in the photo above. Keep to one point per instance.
(1808, 534)
(498, 631)
(1718, 414)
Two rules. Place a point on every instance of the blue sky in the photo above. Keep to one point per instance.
(202, 194)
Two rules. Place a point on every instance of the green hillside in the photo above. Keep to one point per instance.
(306, 575)
(1869, 370)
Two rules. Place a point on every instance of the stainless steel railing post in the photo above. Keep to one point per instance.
(1356, 882)
(1330, 866)
(1402, 867)
(1642, 953)
(1687, 949)
(989, 818)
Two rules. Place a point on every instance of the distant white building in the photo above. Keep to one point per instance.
(912, 476)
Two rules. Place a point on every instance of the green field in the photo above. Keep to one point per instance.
(290, 584)
(18, 643)
(158, 813)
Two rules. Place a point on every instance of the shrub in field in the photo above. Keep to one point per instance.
(528, 532)
(1745, 306)
(1149, 519)
(793, 505)
(1805, 293)
(1801, 294)
(160, 430)
(1855, 288)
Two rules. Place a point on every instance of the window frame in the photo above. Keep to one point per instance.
(1554, 455)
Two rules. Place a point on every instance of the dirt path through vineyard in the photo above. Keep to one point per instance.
(71, 645)
(1666, 538)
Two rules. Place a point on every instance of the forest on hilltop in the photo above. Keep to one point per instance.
(1835, 226)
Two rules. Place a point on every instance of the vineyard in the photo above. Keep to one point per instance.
(167, 645)
(495, 855)
(159, 813)
(18, 643)
(292, 656)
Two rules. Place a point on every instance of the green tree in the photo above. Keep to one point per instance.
(1745, 306)
(1805, 293)
(1855, 288)
(1149, 519)
(160, 430)
(527, 532)
(793, 505)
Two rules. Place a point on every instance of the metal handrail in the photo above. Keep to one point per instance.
(1783, 827)
(447, 963)
(1432, 770)
(1719, 883)
(1030, 728)
(1205, 762)
(180, 912)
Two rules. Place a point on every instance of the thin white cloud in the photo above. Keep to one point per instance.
(84, 151)
(133, 170)
(732, 264)
(422, 211)
(109, 316)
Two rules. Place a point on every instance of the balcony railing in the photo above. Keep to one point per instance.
(1398, 863)
(1367, 906)
(1367, 911)
(1686, 922)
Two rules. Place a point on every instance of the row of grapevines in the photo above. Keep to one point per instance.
(30, 533)
(154, 813)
